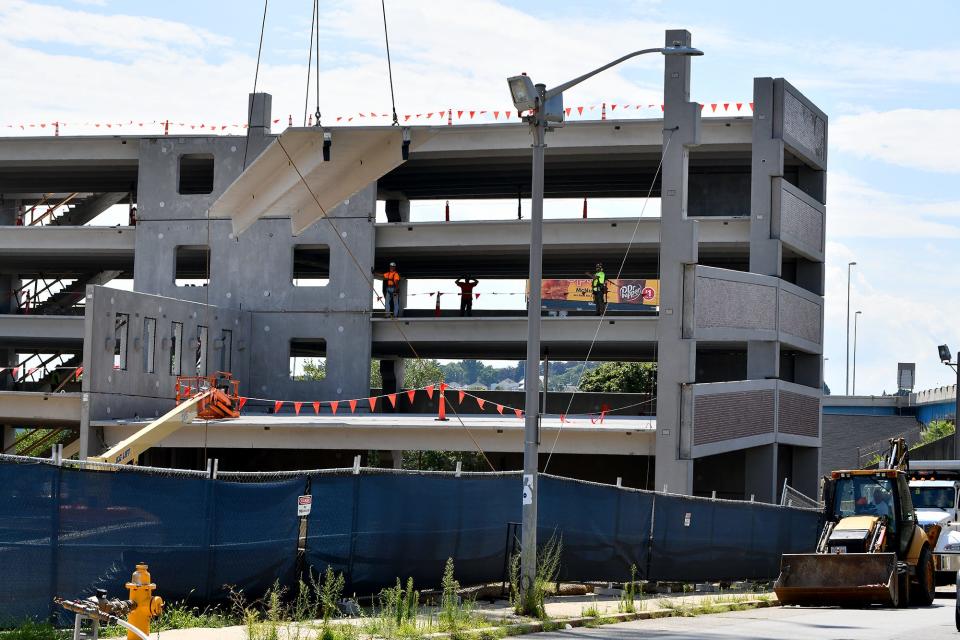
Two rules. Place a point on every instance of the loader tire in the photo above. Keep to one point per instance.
(923, 593)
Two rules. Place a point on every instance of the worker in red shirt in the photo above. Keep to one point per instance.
(391, 290)
(466, 294)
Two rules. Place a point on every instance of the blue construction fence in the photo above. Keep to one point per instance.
(67, 530)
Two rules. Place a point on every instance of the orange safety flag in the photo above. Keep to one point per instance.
(296, 407)
(500, 408)
(277, 405)
(242, 401)
(460, 399)
(410, 394)
(353, 405)
(333, 406)
(392, 397)
(430, 392)
(373, 403)
(480, 402)
(316, 408)
(519, 412)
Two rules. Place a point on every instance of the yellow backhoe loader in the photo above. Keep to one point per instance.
(871, 549)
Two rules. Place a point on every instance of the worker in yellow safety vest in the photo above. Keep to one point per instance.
(599, 287)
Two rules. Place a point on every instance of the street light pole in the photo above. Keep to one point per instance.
(531, 432)
(856, 317)
(847, 387)
(545, 108)
(945, 354)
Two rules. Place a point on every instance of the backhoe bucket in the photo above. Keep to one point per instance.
(822, 579)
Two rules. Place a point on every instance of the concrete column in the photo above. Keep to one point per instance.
(760, 476)
(260, 107)
(678, 247)
(806, 473)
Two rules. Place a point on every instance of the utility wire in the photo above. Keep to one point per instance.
(603, 315)
(386, 38)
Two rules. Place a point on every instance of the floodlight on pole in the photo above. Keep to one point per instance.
(544, 108)
(945, 353)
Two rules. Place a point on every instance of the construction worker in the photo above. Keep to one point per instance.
(466, 294)
(391, 290)
(599, 287)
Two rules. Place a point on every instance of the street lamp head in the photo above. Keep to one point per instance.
(858, 312)
(523, 92)
(677, 50)
(944, 353)
(851, 264)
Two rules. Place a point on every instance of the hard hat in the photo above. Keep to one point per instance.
(393, 264)
(599, 266)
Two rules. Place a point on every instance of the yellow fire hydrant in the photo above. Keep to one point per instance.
(148, 605)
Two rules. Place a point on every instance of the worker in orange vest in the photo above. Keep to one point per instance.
(391, 290)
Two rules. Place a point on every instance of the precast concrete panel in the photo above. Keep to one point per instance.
(801, 316)
(800, 124)
(798, 220)
(121, 386)
(347, 337)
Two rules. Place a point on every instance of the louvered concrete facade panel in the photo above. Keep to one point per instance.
(727, 416)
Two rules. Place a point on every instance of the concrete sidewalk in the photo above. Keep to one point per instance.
(562, 610)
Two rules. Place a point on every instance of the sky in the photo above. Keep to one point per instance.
(887, 75)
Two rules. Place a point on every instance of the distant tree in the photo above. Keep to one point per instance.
(376, 380)
(420, 373)
(936, 430)
(621, 377)
(444, 460)
(314, 370)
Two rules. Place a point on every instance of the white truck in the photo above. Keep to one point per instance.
(935, 487)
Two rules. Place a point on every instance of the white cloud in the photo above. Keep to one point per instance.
(858, 210)
(922, 139)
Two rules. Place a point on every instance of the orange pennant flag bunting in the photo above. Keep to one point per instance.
(519, 412)
(430, 392)
(353, 405)
(392, 397)
(500, 409)
(296, 407)
(242, 402)
(410, 394)
(480, 402)
(333, 406)
(277, 405)
(460, 397)
(373, 403)
(316, 408)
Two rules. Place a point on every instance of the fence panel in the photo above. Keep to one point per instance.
(255, 532)
(604, 529)
(27, 521)
(110, 521)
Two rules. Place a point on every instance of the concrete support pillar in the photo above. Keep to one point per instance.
(259, 107)
(806, 472)
(397, 455)
(678, 247)
(760, 476)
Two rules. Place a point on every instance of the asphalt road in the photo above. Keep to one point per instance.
(779, 623)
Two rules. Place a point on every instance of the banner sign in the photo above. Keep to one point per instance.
(621, 294)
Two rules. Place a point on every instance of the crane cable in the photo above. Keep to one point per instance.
(386, 38)
(306, 98)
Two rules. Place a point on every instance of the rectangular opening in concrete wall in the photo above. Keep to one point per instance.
(195, 174)
(202, 350)
(121, 331)
(308, 359)
(176, 347)
(226, 349)
(190, 269)
(149, 343)
(311, 265)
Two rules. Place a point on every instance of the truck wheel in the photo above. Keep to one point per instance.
(926, 589)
